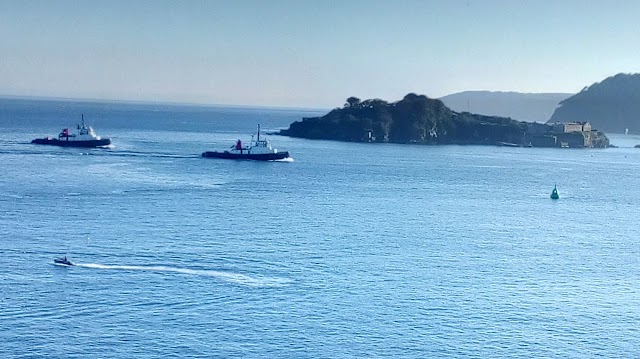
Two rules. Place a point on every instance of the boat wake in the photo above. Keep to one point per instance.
(127, 153)
(229, 277)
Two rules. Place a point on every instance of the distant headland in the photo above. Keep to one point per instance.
(421, 120)
(529, 107)
(612, 105)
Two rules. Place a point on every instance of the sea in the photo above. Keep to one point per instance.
(349, 250)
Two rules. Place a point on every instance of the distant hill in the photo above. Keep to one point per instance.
(529, 107)
(611, 105)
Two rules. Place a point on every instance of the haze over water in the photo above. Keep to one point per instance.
(351, 250)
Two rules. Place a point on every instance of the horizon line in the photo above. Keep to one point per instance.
(151, 102)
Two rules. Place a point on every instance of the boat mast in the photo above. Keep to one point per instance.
(258, 133)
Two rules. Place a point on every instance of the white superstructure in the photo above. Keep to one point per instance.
(84, 133)
(256, 147)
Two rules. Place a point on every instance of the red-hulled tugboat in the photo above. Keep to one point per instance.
(85, 137)
(258, 150)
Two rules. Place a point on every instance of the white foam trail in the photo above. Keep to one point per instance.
(226, 276)
(288, 159)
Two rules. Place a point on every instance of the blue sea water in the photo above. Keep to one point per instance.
(348, 251)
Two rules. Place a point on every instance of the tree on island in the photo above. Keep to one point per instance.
(352, 102)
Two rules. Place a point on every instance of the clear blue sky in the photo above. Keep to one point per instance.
(312, 53)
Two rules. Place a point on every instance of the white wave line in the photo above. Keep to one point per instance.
(226, 276)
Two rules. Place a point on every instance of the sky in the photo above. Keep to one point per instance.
(310, 53)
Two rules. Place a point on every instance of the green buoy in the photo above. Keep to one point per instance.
(554, 193)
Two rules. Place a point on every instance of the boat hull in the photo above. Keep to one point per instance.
(55, 142)
(62, 263)
(247, 156)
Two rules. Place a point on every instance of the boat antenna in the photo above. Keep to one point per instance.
(258, 133)
(82, 120)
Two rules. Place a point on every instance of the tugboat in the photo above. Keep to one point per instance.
(85, 137)
(258, 150)
(554, 193)
(62, 261)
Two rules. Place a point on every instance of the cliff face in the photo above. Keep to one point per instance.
(528, 107)
(612, 105)
(414, 119)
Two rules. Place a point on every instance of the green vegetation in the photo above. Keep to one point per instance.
(414, 119)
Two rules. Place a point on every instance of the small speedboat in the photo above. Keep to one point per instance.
(554, 193)
(258, 150)
(62, 261)
(84, 137)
